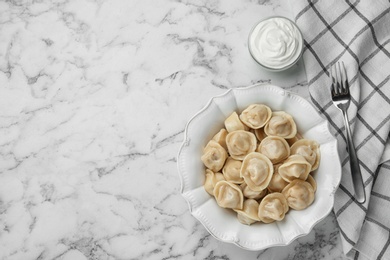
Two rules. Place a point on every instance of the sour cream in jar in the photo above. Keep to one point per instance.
(276, 43)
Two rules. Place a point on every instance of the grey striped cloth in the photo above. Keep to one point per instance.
(357, 33)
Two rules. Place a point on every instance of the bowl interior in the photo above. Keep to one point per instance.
(223, 223)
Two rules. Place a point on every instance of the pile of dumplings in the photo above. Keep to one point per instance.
(259, 166)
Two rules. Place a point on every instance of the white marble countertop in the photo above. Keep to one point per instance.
(94, 98)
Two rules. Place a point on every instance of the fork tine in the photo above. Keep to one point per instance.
(345, 79)
(337, 81)
(341, 79)
(332, 90)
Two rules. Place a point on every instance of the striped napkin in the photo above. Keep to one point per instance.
(357, 33)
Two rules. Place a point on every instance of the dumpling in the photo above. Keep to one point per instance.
(281, 124)
(275, 148)
(299, 194)
(273, 207)
(231, 171)
(312, 182)
(240, 143)
(251, 194)
(228, 195)
(233, 123)
(260, 134)
(257, 171)
(211, 179)
(309, 149)
(277, 183)
(295, 167)
(220, 138)
(256, 115)
(249, 213)
(293, 140)
(214, 156)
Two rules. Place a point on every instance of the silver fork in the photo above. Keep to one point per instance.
(341, 99)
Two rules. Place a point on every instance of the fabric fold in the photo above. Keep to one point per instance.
(357, 33)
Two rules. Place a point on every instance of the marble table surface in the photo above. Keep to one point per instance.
(94, 98)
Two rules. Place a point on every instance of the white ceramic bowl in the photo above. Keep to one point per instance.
(293, 29)
(223, 223)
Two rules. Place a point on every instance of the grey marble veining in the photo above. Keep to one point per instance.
(94, 98)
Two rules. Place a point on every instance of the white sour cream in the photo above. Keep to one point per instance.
(276, 43)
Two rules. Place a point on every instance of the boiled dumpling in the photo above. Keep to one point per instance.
(295, 167)
(260, 134)
(309, 149)
(312, 182)
(277, 183)
(240, 143)
(275, 148)
(214, 156)
(249, 213)
(233, 123)
(256, 115)
(293, 140)
(281, 124)
(299, 194)
(257, 171)
(231, 171)
(228, 195)
(273, 207)
(251, 194)
(211, 179)
(220, 138)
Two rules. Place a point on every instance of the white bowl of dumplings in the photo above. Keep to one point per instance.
(222, 223)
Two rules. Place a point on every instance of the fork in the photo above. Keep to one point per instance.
(341, 99)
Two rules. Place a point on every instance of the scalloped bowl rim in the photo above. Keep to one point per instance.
(234, 240)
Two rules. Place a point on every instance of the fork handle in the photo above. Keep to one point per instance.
(357, 179)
